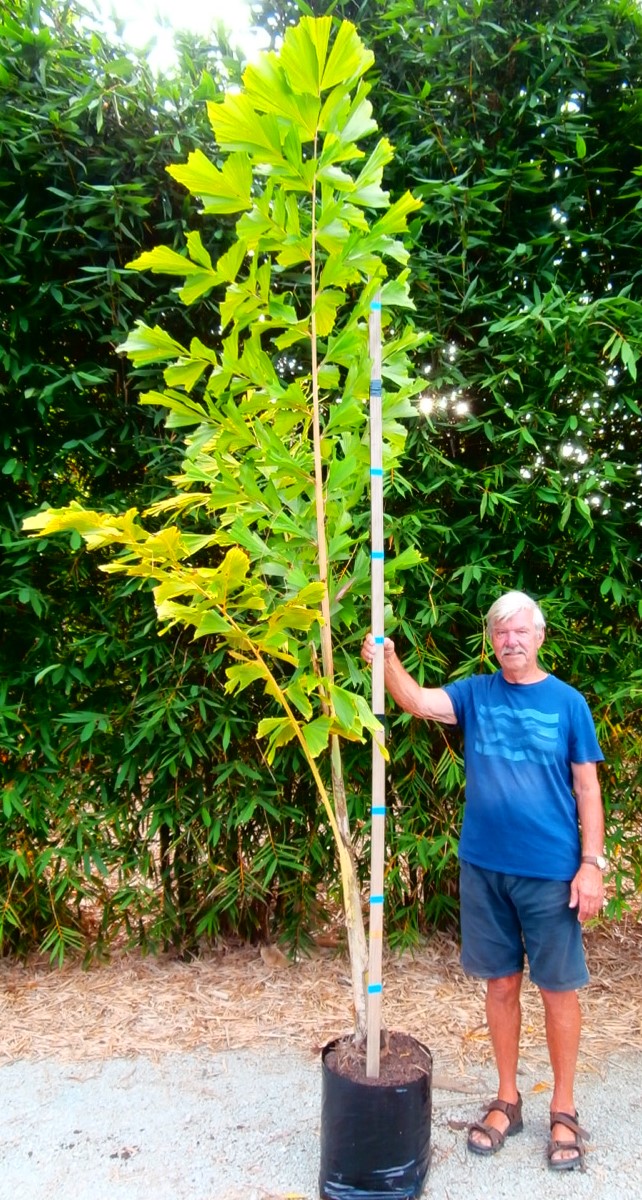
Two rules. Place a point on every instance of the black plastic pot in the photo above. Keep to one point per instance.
(375, 1138)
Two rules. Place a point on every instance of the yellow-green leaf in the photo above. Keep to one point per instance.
(312, 593)
(360, 123)
(395, 219)
(224, 191)
(395, 293)
(234, 568)
(238, 126)
(197, 286)
(197, 251)
(345, 707)
(242, 675)
(229, 264)
(303, 54)
(325, 309)
(316, 735)
(297, 696)
(211, 622)
(97, 529)
(145, 345)
(198, 349)
(348, 59)
(267, 87)
(183, 411)
(279, 731)
(185, 373)
(162, 261)
(367, 188)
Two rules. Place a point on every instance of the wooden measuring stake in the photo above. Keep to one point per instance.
(378, 809)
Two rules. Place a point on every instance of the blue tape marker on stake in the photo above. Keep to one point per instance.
(377, 554)
(376, 471)
(376, 389)
(374, 988)
(378, 641)
(375, 305)
(376, 899)
(378, 811)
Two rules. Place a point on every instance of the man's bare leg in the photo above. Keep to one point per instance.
(563, 1028)
(504, 1016)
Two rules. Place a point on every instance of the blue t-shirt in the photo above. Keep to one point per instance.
(519, 742)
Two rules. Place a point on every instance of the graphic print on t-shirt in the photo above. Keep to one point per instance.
(519, 735)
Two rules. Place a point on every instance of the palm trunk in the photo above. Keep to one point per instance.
(357, 945)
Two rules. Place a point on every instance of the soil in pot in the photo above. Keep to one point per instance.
(375, 1133)
(402, 1060)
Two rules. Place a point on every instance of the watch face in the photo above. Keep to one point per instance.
(601, 862)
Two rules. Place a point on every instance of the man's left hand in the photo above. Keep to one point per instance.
(587, 892)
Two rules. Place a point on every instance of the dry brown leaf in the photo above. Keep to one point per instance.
(273, 957)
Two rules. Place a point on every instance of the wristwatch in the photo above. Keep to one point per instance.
(596, 860)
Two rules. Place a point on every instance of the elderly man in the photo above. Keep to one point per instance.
(527, 879)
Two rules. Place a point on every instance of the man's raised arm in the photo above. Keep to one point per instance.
(432, 704)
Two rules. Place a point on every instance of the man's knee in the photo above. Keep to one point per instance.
(505, 990)
(560, 1001)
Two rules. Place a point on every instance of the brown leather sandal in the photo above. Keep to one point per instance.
(495, 1137)
(576, 1143)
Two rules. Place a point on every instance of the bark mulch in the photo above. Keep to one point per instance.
(235, 997)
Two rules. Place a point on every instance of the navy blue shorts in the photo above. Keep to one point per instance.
(504, 917)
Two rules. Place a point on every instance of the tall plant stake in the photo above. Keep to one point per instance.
(378, 810)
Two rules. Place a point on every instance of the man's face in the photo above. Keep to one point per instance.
(516, 642)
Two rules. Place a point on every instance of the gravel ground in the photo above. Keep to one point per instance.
(244, 1125)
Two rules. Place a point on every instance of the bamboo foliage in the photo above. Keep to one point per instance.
(86, 129)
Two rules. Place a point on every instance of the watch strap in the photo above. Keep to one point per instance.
(596, 860)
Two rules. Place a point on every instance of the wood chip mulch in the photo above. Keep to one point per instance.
(238, 997)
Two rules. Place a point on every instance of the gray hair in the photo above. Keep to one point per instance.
(511, 603)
